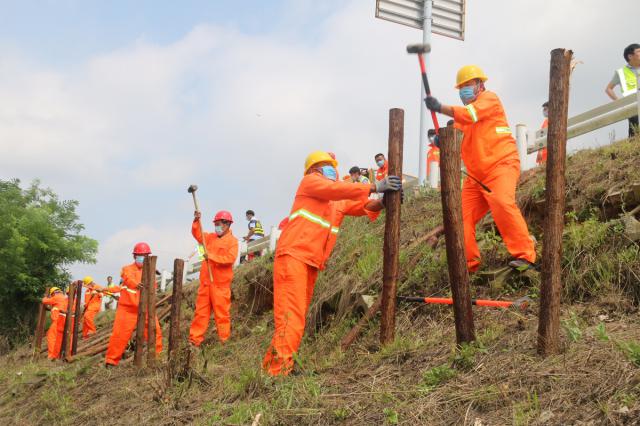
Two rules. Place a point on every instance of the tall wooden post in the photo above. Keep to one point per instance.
(142, 313)
(65, 352)
(391, 248)
(79, 315)
(149, 275)
(42, 317)
(176, 302)
(450, 143)
(549, 322)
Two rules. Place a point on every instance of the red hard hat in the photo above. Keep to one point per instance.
(223, 215)
(142, 248)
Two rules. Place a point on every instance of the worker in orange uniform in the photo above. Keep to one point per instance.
(433, 155)
(222, 251)
(541, 158)
(57, 301)
(489, 152)
(127, 311)
(305, 246)
(92, 305)
(381, 162)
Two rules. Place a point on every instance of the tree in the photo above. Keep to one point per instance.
(39, 238)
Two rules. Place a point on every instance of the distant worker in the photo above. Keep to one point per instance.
(320, 203)
(381, 162)
(541, 158)
(110, 299)
(92, 304)
(256, 231)
(627, 77)
(127, 312)
(490, 155)
(357, 176)
(57, 301)
(433, 155)
(222, 249)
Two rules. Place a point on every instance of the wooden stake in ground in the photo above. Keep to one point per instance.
(142, 313)
(42, 317)
(391, 249)
(148, 277)
(77, 317)
(176, 301)
(450, 142)
(65, 352)
(549, 322)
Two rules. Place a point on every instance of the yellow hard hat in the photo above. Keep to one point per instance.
(87, 280)
(53, 290)
(468, 73)
(318, 157)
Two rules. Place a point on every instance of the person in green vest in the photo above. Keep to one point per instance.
(627, 78)
(256, 231)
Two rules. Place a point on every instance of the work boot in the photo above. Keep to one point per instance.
(521, 265)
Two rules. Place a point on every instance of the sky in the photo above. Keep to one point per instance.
(122, 105)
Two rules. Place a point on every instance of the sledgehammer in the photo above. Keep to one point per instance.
(521, 303)
(192, 190)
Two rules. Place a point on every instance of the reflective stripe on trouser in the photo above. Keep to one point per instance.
(88, 324)
(502, 202)
(123, 326)
(214, 298)
(293, 283)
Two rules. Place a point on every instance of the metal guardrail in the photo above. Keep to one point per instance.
(594, 119)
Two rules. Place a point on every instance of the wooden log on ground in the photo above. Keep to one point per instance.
(42, 317)
(391, 247)
(451, 194)
(151, 312)
(549, 316)
(357, 329)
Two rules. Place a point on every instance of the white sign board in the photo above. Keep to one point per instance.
(448, 15)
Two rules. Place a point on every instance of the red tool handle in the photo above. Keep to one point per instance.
(427, 90)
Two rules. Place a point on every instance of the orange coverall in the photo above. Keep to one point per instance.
(58, 303)
(92, 304)
(541, 158)
(127, 314)
(381, 173)
(216, 296)
(490, 155)
(303, 249)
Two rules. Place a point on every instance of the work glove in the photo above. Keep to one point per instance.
(389, 183)
(433, 104)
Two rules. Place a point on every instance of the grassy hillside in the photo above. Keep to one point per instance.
(422, 378)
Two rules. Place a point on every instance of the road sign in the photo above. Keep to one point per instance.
(447, 15)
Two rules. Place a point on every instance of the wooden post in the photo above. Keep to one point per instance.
(451, 141)
(391, 248)
(65, 352)
(176, 301)
(549, 322)
(149, 277)
(42, 317)
(142, 313)
(79, 315)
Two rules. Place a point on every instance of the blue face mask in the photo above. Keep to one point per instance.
(467, 94)
(329, 172)
(219, 230)
(139, 260)
(380, 163)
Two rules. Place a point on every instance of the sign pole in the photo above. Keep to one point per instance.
(426, 39)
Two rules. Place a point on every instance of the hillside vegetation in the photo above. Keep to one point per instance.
(422, 378)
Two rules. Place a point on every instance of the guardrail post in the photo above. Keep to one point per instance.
(521, 143)
(549, 322)
(273, 239)
(451, 195)
(434, 174)
(391, 247)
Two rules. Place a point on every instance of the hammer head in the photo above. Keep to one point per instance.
(192, 189)
(419, 48)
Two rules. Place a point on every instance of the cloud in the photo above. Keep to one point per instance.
(126, 131)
